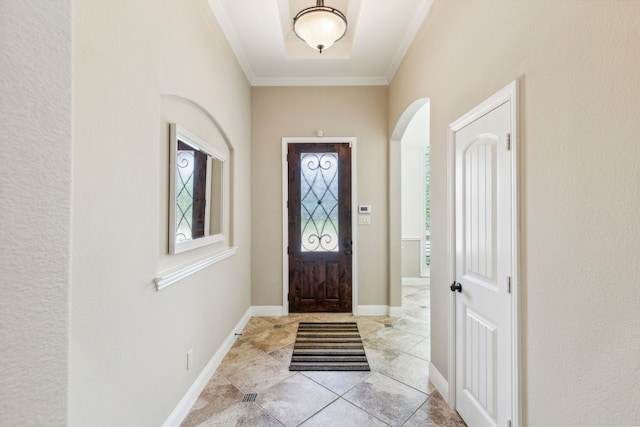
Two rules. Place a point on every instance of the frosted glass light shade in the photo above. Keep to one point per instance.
(320, 26)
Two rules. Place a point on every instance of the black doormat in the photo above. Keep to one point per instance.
(328, 347)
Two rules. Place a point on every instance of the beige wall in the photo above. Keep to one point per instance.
(128, 341)
(302, 111)
(577, 63)
(35, 211)
(410, 258)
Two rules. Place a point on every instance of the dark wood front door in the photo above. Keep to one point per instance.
(320, 245)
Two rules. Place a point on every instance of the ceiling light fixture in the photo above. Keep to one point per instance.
(320, 26)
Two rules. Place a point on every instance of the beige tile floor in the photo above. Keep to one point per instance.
(254, 387)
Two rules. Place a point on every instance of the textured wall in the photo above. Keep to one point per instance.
(300, 111)
(577, 63)
(128, 341)
(35, 200)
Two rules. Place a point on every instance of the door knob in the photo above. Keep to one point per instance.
(455, 286)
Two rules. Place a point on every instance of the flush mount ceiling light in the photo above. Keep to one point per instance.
(320, 26)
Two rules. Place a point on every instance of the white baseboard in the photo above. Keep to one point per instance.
(439, 381)
(379, 310)
(373, 310)
(419, 281)
(395, 311)
(363, 310)
(180, 412)
(267, 310)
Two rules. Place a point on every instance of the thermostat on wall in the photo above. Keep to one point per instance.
(364, 209)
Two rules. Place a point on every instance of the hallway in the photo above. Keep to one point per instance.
(253, 385)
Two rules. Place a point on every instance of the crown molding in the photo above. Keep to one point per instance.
(227, 29)
(412, 30)
(320, 81)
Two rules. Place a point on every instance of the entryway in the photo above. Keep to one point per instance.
(318, 229)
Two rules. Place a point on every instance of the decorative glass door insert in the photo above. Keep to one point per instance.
(319, 202)
(184, 196)
(192, 187)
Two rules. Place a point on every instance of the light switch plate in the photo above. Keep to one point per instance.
(364, 219)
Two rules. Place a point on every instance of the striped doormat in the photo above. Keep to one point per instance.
(328, 347)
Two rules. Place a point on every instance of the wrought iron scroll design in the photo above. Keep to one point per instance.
(184, 194)
(319, 202)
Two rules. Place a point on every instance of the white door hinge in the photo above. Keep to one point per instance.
(508, 423)
(509, 284)
(508, 142)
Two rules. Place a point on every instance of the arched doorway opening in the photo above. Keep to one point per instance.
(409, 212)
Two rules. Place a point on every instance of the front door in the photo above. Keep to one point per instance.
(319, 211)
(483, 269)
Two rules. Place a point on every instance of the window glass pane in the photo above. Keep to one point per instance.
(319, 202)
(427, 198)
(184, 194)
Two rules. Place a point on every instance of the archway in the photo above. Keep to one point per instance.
(413, 125)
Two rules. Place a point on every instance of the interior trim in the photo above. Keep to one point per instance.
(267, 310)
(177, 275)
(439, 381)
(509, 93)
(285, 217)
(181, 411)
(372, 310)
(325, 81)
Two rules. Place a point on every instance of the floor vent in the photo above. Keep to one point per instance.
(277, 326)
(388, 325)
(250, 397)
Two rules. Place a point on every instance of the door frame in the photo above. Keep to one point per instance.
(285, 214)
(507, 94)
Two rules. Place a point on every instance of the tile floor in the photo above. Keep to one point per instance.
(254, 387)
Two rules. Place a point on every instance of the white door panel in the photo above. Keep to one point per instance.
(483, 265)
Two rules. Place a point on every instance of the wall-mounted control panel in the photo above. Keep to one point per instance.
(364, 217)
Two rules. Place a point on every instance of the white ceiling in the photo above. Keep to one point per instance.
(378, 35)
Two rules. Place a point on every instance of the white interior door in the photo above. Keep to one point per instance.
(483, 269)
